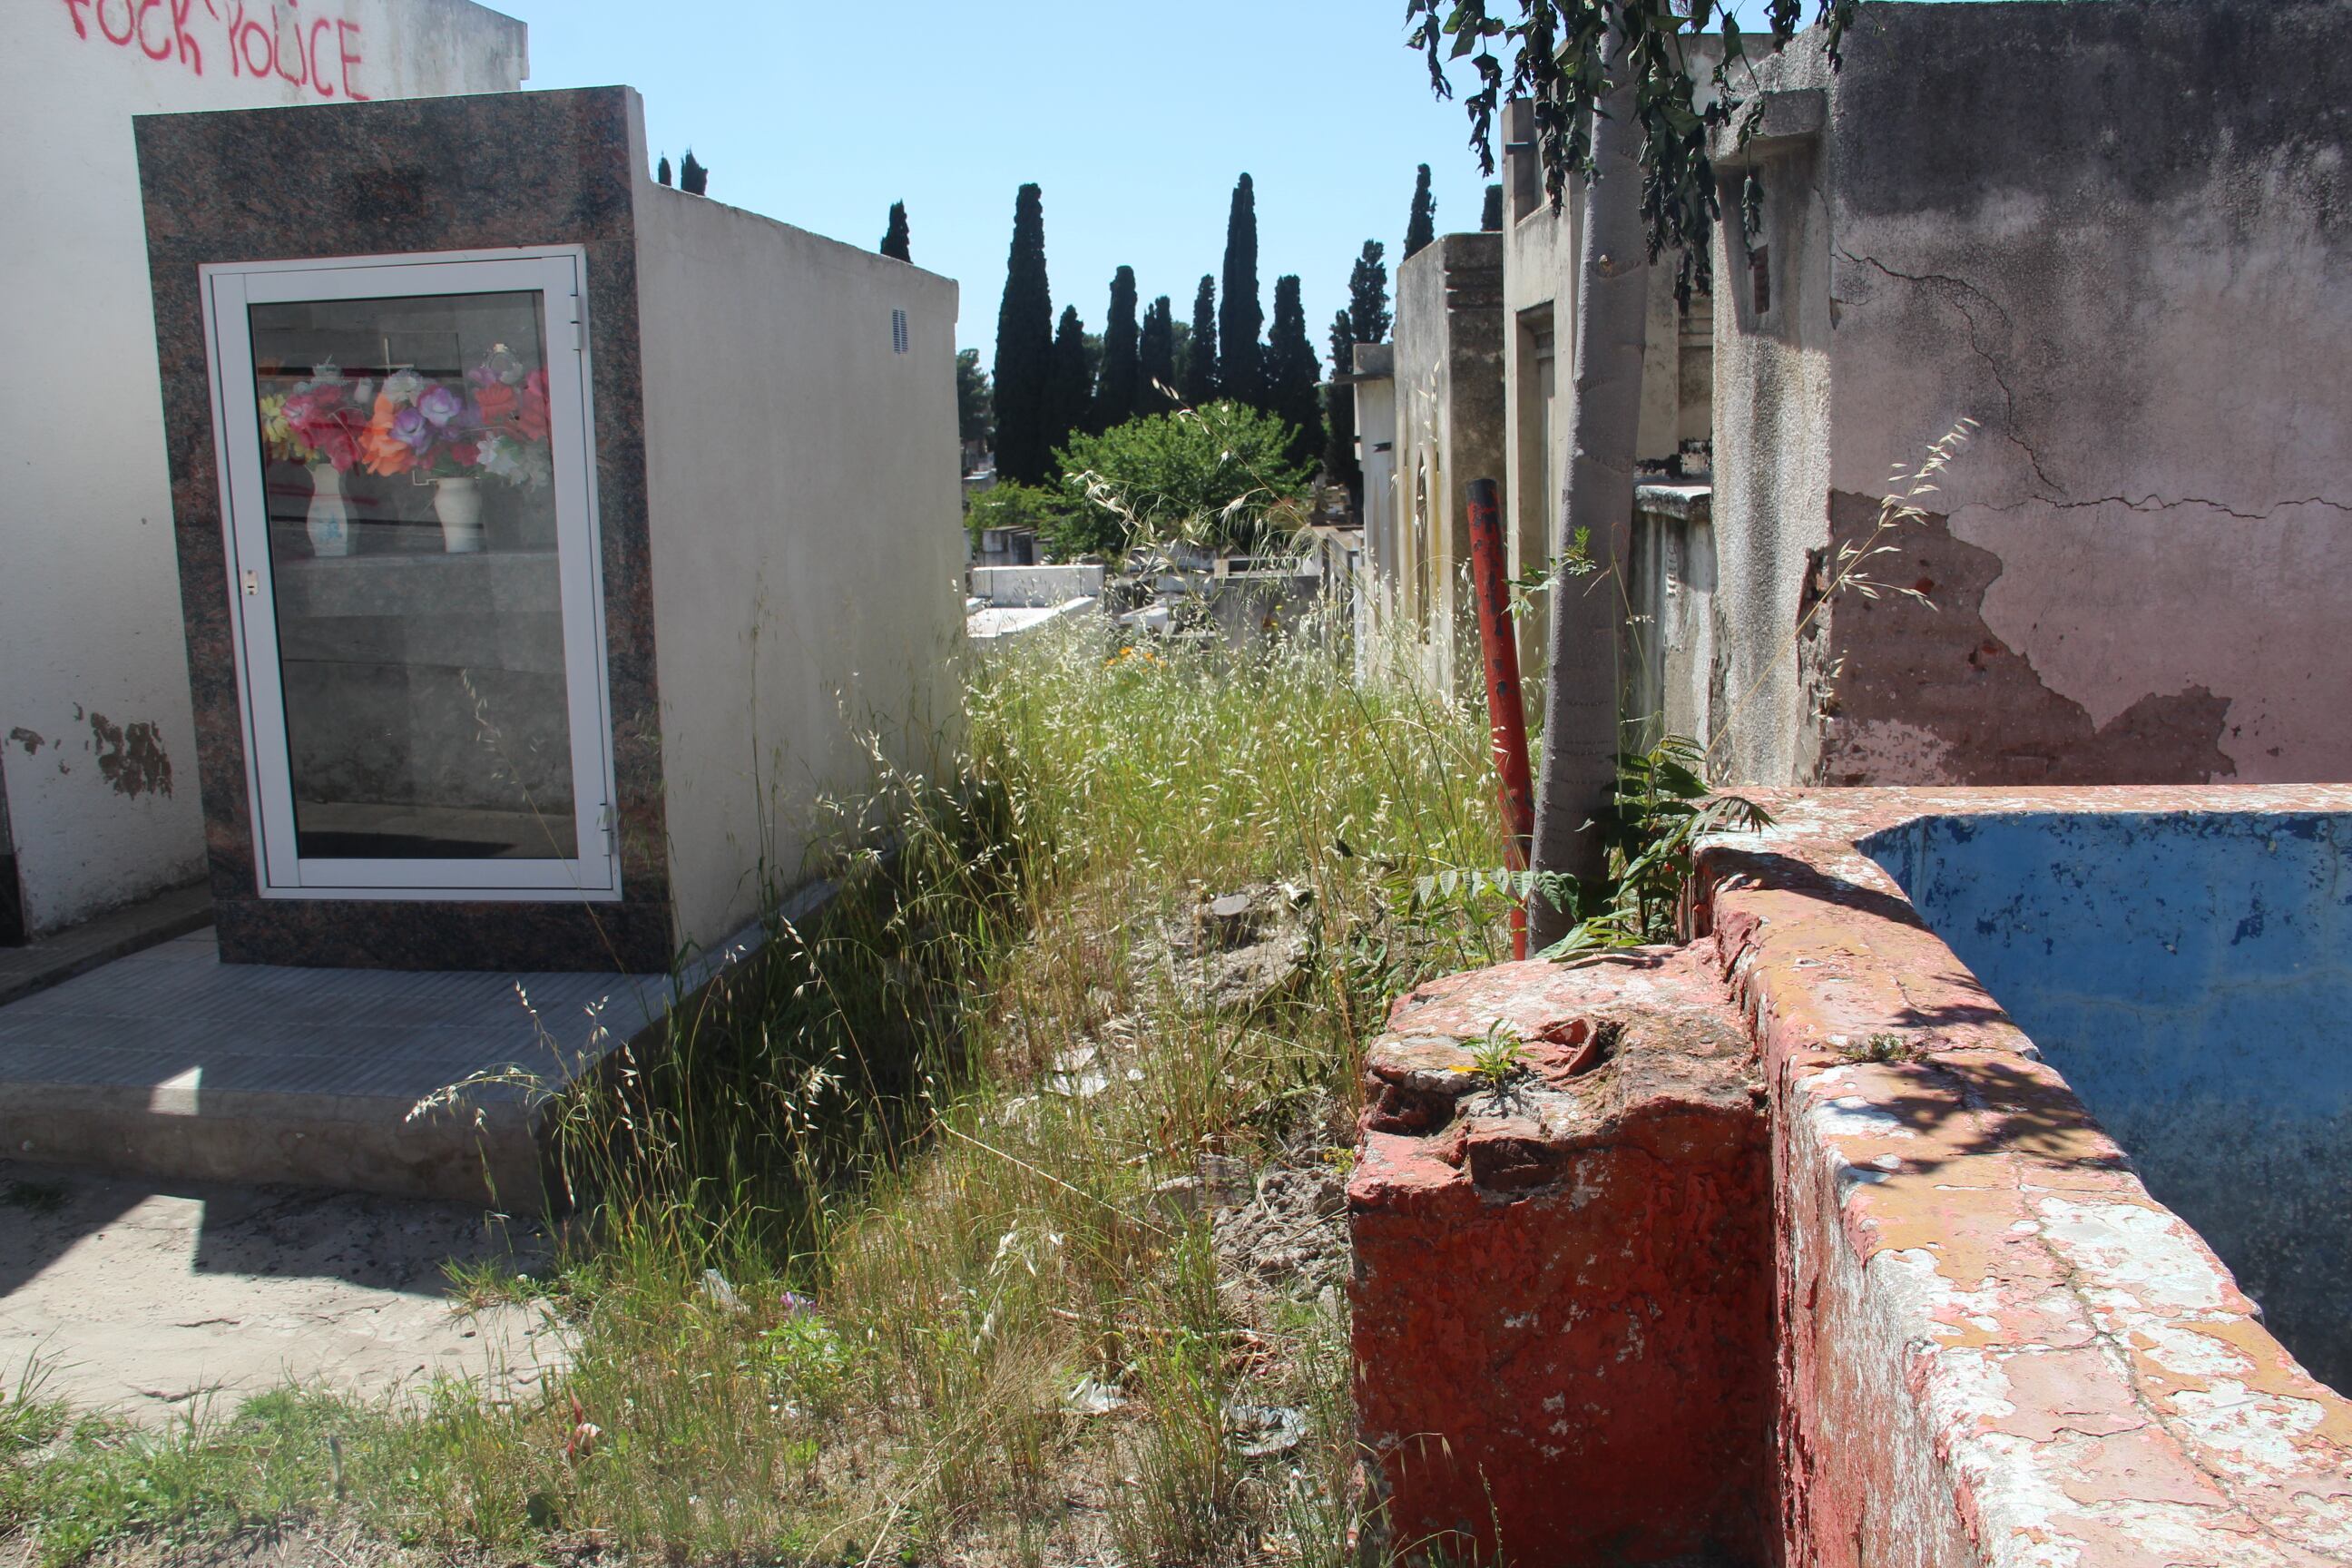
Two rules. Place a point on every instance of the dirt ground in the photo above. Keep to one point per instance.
(147, 1299)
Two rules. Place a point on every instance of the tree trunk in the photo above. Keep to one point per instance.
(1580, 723)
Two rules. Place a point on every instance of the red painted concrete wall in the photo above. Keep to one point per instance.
(1994, 1347)
(1561, 1302)
(1924, 1317)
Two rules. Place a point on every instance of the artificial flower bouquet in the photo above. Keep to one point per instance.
(320, 420)
(412, 424)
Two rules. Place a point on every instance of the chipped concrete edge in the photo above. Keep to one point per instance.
(1996, 1347)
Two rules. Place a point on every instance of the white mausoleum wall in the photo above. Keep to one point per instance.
(97, 745)
(803, 490)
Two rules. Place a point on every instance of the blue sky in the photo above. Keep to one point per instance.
(1134, 115)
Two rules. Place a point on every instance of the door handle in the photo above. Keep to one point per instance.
(251, 579)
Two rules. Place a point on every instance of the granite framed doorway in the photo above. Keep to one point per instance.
(409, 517)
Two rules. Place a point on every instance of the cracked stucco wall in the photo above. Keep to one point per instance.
(2115, 235)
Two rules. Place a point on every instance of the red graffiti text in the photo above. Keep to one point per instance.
(257, 38)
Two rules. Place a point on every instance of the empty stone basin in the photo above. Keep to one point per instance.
(2190, 973)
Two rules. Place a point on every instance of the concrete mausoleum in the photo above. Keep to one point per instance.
(2108, 234)
(577, 739)
(507, 491)
(99, 801)
(1446, 420)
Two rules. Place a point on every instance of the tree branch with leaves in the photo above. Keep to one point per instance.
(1615, 92)
(1560, 52)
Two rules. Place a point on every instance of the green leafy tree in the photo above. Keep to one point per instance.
(1026, 433)
(1340, 465)
(1199, 388)
(894, 237)
(1071, 395)
(1368, 295)
(975, 410)
(1065, 525)
(1291, 392)
(1241, 359)
(1490, 217)
(1118, 391)
(1421, 226)
(1220, 475)
(1156, 359)
(1615, 105)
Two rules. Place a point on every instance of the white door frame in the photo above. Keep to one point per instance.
(559, 275)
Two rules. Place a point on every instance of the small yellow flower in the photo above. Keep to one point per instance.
(276, 434)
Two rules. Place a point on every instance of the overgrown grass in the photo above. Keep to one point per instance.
(851, 1240)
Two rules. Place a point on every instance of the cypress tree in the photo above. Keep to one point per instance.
(661, 169)
(693, 177)
(1201, 378)
(1071, 394)
(1117, 393)
(1490, 220)
(894, 239)
(1339, 464)
(1368, 296)
(1290, 373)
(975, 405)
(1024, 351)
(1365, 320)
(1241, 362)
(1421, 228)
(1156, 359)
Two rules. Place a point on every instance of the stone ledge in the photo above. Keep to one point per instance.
(1995, 1346)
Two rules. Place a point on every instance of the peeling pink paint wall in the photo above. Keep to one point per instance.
(2120, 238)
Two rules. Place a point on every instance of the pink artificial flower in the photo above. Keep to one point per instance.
(324, 419)
(532, 418)
(336, 443)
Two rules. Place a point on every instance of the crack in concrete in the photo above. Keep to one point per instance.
(2151, 503)
(2009, 395)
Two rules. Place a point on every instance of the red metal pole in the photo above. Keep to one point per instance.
(1506, 718)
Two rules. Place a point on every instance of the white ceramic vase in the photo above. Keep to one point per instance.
(329, 518)
(457, 502)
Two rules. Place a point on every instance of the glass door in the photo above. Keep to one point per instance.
(413, 554)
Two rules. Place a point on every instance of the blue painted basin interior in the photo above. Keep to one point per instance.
(2192, 976)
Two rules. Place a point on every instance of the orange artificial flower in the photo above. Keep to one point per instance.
(383, 452)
